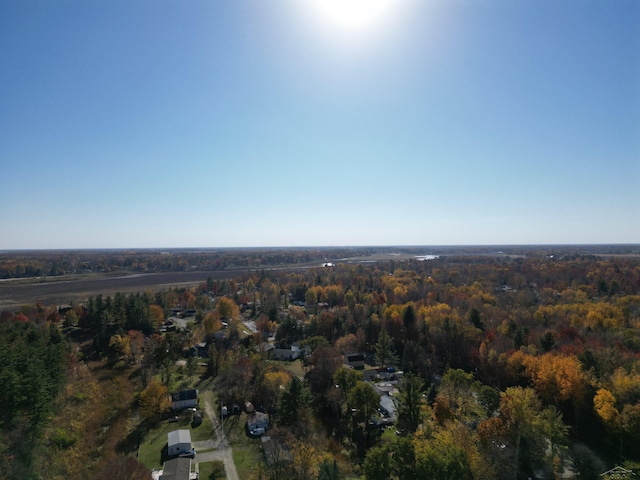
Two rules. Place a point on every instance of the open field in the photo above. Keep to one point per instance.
(62, 290)
(78, 288)
(66, 289)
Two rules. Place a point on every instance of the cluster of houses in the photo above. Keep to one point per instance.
(180, 452)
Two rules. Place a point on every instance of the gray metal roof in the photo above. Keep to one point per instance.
(179, 436)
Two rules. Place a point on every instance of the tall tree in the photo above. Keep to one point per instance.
(363, 402)
(295, 398)
(385, 355)
(409, 403)
(154, 401)
(226, 307)
(328, 470)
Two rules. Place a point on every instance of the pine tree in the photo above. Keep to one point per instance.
(385, 354)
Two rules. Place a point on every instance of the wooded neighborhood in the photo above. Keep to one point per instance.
(457, 367)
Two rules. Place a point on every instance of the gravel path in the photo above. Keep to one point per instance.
(223, 452)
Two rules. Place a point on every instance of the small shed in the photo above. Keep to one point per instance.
(179, 441)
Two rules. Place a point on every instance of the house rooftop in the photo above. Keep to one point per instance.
(255, 418)
(184, 395)
(176, 469)
(179, 436)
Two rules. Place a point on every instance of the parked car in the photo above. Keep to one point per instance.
(197, 420)
(190, 454)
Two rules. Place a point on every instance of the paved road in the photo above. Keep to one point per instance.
(223, 452)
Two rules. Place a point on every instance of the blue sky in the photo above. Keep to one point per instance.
(157, 123)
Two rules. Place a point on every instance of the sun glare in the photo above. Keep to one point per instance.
(353, 15)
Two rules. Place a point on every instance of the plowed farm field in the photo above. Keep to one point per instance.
(78, 288)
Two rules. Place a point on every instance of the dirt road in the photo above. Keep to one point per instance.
(220, 442)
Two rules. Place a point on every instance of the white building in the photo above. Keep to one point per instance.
(179, 441)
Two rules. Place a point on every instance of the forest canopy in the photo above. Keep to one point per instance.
(496, 364)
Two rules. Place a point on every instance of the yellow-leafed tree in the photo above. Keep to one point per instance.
(226, 307)
(154, 401)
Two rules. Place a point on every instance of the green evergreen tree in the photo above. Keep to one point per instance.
(294, 399)
(409, 403)
(385, 355)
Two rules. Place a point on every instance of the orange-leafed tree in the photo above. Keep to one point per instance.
(347, 344)
(211, 323)
(604, 403)
(157, 314)
(136, 343)
(187, 301)
(556, 378)
(226, 307)
(154, 401)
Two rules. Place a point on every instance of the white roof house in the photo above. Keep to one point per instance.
(179, 441)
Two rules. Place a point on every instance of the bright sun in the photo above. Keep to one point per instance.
(353, 15)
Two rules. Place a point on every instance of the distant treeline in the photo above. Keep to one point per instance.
(25, 264)
(54, 263)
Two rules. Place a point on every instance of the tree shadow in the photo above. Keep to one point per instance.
(136, 373)
(132, 441)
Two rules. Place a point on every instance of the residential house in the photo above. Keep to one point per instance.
(354, 360)
(257, 423)
(201, 350)
(285, 354)
(179, 441)
(177, 469)
(264, 347)
(184, 399)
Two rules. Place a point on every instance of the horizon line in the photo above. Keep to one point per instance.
(303, 247)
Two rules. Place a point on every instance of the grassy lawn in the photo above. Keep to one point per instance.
(295, 367)
(181, 380)
(246, 458)
(207, 468)
(246, 450)
(154, 441)
(151, 447)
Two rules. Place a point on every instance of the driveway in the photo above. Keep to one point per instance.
(223, 452)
